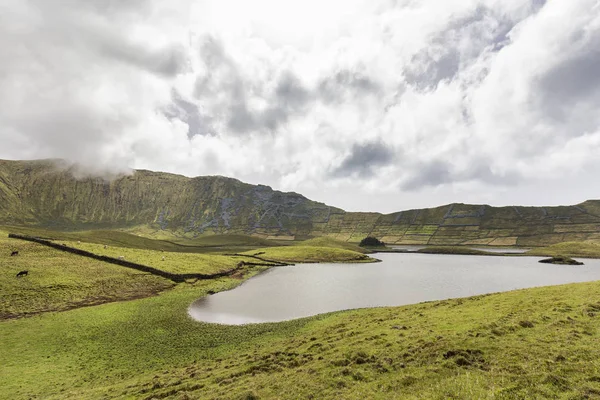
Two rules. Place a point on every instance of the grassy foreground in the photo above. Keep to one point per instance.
(534, 343)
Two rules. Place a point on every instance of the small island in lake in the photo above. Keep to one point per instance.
(562, 260)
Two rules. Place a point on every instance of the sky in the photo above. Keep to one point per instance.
(367, 105)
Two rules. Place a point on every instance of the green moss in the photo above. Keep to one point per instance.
(569, 249)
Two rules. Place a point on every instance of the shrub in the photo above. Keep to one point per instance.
(371, 241)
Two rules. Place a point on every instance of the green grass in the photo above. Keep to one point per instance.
(206, 244)
(310, 254)
(569, 249)
(226, 241)
(535, 343)
(325, 241)
(422, 230)
(59, 280)
(174, 262)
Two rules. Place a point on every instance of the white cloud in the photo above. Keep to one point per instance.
(420, 103)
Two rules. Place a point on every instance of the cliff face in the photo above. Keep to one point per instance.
(39, 193)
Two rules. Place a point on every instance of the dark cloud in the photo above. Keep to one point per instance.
(188, 113)
(429, 174)
(363, 160)
(573, 80)
(290, 92)
(224, 80)
(335, 88)
(94, 30)
(442, 58)
(440, 172)
(427, 71)
(169, 61)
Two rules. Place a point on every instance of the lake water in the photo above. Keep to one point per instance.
(284, 293)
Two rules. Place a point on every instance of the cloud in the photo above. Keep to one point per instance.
(423, 100)
(337, 87)
(363, 160)
(75, 84)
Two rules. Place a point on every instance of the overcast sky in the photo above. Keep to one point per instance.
(368, 105)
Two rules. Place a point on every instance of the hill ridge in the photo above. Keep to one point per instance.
(44, 193)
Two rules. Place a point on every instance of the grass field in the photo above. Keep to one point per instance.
(325, 241)
(535, 343)
(569, 249)
(525, 344)
(174, 262)
(310, 254)
(59, 280)
(207, 244)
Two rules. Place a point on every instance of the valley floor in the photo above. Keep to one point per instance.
(534, 343)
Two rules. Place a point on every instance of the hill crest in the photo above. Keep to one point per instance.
(45, 193)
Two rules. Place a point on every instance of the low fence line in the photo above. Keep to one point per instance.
(128, 264)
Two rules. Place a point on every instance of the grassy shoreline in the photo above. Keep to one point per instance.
(530, 343)
(147, 347)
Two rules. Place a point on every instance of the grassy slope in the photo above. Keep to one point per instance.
(325, 241)
(570, 249)
(536, 343)
(175, 262)
(209, 244)
(310, 254)
(59, 280)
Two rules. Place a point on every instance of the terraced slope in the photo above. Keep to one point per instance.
(40, 193)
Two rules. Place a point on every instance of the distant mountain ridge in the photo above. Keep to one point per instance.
(41, 193)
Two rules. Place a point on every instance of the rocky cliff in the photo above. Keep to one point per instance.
(46, 194)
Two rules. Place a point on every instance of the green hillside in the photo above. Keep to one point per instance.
(174, 207)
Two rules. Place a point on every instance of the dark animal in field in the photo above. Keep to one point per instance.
(22, 273)
(14, 253)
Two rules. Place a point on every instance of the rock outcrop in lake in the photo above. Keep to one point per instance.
(561, 260)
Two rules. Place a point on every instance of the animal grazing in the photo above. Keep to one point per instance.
(22, 273)
(121, 257)
(79, 242)
(14, 253)
(163, 258)
(105, 247)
